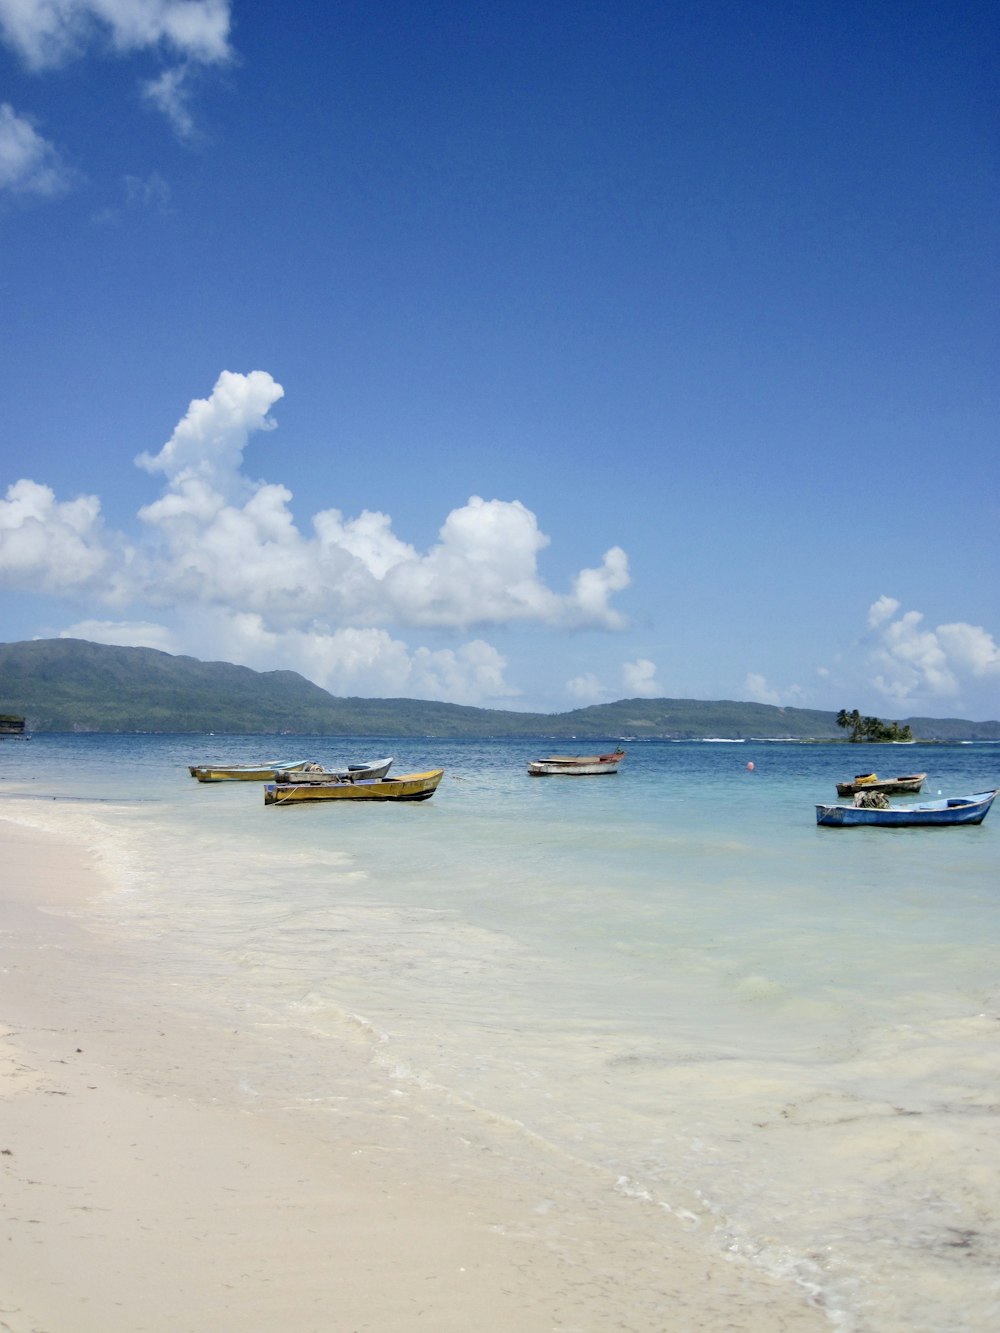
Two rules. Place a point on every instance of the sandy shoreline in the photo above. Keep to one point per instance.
(139, 1195)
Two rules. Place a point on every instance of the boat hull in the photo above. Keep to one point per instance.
(908, 782)
(931, 814)
(539, 768)
(575, 766)
(407, 787)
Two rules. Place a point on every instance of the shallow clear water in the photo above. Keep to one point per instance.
(787, 1034)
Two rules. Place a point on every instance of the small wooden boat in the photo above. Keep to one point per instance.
(951, 810)
(264, 772)
(908, 782)
(576, 765)
(406, 787)
(317, 773)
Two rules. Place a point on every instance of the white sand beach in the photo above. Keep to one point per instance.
(139, 1194)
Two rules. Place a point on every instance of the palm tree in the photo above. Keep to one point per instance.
(871, 728)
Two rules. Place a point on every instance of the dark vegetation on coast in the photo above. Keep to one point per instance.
(72, 685)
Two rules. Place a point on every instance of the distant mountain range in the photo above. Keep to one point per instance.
(73, 685)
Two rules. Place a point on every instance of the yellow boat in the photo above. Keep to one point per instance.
(406, 787)
(265, 772)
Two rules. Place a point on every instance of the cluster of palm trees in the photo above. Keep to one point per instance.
(871, 728)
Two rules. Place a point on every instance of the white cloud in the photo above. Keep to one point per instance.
(347, 661)
(970, 648)
(227, 557)
(192, 33)
(170, 93)
(640, 679)
(357, 570)
(882, 611)
(915, 666)
(341, 661)
(468, 675)
(227, 541)
(47, 33)
(586, 688)
(484, 571)
(594, 587)
(911, 659)
(368, 538)
(50, 546)
(207, 443)
(29, 164)
(758, 691)
(123, 634)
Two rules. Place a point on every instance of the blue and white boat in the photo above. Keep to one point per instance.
(950, 810)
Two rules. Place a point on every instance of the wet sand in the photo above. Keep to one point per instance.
(140, 1193)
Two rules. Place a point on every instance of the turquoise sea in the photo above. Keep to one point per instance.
(787, 1036)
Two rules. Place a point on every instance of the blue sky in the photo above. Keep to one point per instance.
(525, 356)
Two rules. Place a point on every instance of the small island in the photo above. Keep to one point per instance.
(872, 728)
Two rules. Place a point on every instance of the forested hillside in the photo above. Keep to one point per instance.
(73, 685)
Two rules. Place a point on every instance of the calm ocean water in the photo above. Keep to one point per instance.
(787, 1035)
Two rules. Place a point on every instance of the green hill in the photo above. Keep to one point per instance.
(72, 685)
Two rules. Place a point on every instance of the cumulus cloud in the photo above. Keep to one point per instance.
(51, 546)
(757, 690)
(344, 661)
(48, 33)
(882, 611)
(228, 541)
(339, 660)
(640, 679)
(226, 554)
(593, 588)
(207, 443)
(254, 555)
(29, 164)
(484, 570)
(914, 664)
(587, 688)
(912, 657)
(465, 675)
(971, 649)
